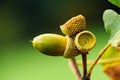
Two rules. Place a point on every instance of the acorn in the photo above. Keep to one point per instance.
(74, 25)
(85, 41)
(69, 46)
(56, 45)
(50, 44)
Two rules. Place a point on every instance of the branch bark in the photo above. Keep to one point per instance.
(73, 66)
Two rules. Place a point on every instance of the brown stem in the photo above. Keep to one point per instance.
(74, 68)
(84, 62)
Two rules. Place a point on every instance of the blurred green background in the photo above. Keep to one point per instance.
(22, 20)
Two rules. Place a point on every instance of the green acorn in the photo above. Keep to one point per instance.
(56, 45)
(50, 44)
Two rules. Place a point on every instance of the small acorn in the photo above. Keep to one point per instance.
(50, 44)
(74, 25)
(56, 45)
(71, 45)
(85, 41)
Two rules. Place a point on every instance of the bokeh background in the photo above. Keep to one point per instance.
(22, 20)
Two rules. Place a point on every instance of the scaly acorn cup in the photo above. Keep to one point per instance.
(85, 41)
(50, 44)
(74, 25)
(71, 50)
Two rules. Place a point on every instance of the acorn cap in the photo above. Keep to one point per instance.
(71, 50)
(50, 44)
(74, 25)
(85, 41)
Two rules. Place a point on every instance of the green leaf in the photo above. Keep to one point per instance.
(111, 22)
(116, 40)
(115, 2)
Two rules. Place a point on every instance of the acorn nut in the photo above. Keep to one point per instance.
(50, 44)
(56, 45)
